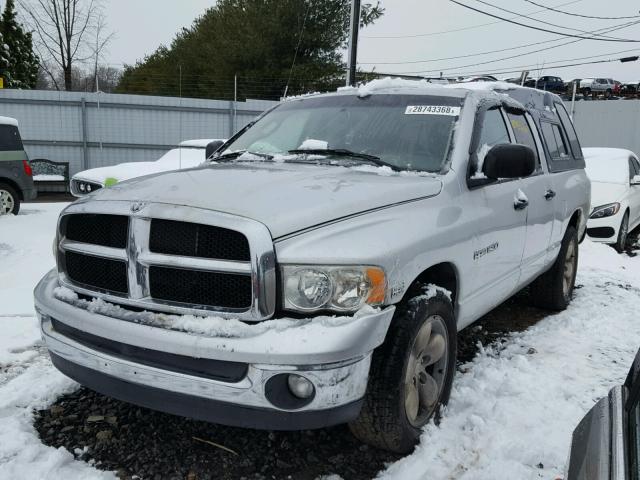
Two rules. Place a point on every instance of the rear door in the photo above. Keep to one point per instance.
(538, 189)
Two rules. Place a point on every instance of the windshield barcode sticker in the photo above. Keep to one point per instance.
(432, 110)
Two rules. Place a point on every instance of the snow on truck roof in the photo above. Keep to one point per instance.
(8, 121)
(390, 85)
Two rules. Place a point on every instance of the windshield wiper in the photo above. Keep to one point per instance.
(238, 153)
(343, 152)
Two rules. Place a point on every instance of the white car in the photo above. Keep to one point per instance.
(187, 154)
(615, 194)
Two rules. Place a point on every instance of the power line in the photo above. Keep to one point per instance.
(538, 20)
(609, 29)
(628, 24)
(579, 15)
(539, 28)
(472, 27)
(519, 68)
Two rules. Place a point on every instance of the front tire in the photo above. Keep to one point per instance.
(9, 200)
(411, 374)
(553, 289)
(623, 233)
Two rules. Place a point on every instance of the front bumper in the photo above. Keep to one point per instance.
(338, 366)
(605, 229)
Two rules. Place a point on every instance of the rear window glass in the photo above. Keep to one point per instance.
(570, 130)
(556, 143)
(9, 138)
(522, 131)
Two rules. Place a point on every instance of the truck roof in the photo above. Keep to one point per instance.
(516, 94)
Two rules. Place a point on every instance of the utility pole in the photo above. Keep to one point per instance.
(353, 42)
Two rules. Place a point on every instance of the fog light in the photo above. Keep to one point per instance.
(300, 386)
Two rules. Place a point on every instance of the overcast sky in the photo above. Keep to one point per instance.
(412, 31)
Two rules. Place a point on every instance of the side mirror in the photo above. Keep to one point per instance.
(635, 180)
(508, 160)
(212, 147)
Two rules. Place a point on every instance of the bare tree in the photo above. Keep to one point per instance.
(67, 32)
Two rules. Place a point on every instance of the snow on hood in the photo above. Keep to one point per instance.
(174, 159)
(286, 197)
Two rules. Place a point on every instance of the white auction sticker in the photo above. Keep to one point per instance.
(432, 110)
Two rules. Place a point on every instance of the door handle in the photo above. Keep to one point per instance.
(520, 203)
(549, 194)
(520, 200)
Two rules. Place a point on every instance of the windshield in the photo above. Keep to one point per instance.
(407, 132)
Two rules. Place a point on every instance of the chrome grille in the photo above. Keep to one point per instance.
(213, 264)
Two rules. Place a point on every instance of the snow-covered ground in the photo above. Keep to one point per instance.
(511, 412)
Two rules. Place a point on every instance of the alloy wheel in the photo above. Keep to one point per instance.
(6, 202)
(426, 371)
(569, 269)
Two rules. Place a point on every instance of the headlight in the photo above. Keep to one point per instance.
(605, 210)
(342, 289)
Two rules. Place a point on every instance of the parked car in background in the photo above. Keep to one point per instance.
(478, 78)
(596, 86)
(550, 84)
(295, 221)
(617, 87)
(615, 194)
(187, 154)
(606, 443)
(568, 86)
(16, 176)
(630, 88)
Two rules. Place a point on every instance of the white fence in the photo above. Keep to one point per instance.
(91, 130)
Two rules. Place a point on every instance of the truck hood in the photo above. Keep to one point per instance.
(285, 197)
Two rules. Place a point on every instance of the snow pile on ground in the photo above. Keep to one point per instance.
(28, 381)
(512, 412)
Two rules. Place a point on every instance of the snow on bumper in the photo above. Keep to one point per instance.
(335, 357)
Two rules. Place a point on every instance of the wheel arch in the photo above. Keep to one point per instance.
(13, 185)
(443, 274)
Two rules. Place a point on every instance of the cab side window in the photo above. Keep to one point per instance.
(522, 131)
(632, 169)
(494, 131)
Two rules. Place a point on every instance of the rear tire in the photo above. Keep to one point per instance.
(411, 374)
(9, 200)
(623, 233)
(553, 289)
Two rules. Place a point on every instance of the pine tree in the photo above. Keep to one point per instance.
(255, 48)
(20, 64)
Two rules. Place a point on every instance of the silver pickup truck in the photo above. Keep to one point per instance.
(317, 271)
